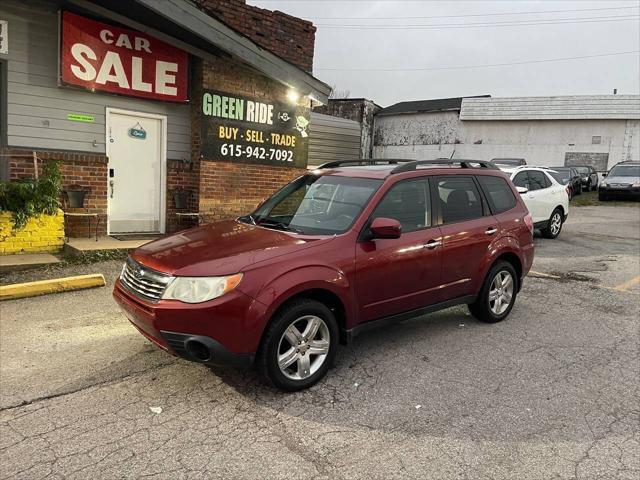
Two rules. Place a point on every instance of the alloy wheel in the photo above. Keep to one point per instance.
(556, 223)
(501, 292)
(303, 347)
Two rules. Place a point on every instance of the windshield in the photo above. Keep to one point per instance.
(584, 170)
(562, 177)
(316, 205)
(507, 161)
(625, 171)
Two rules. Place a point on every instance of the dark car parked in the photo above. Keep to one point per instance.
(623, 180)
(335, 252)
(574, 179)
(589, 177)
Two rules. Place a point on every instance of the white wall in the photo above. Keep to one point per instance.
(539, 142)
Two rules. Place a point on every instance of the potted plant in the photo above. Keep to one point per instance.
(181, 198)
(75, 195)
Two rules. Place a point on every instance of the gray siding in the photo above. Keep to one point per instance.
(579, 107)
(332, 138)
(37, 107)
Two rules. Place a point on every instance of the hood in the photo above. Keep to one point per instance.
(624, 180)
(220, 248)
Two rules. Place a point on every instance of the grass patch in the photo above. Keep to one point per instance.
(590, 199)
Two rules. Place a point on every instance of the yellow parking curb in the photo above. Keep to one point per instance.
(56, 285)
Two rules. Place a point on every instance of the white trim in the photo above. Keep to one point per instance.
(163, 158)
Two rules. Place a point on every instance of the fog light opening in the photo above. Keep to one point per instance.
(198, 350)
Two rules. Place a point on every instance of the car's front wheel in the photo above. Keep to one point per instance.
(602, 197)
(498, 294)
(554, 225)
(299, 345)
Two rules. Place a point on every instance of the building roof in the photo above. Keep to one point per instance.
(435, 105)
(585, 107)
(181, 23)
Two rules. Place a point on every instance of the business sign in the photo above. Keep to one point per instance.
(4, 37)
(252, 130)
(99, 56)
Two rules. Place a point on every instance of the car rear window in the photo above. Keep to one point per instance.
(498, 192)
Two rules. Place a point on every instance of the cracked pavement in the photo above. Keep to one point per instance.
(552, 392)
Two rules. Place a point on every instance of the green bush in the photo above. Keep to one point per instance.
(30, 197)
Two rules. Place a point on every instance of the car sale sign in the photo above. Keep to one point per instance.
(99, 56)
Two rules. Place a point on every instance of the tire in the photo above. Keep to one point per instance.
(579, 190)
(482, 308)
(280, 343)
(602, 197)
(554, 225)
(589, 186)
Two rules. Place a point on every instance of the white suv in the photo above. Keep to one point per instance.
(546, 199)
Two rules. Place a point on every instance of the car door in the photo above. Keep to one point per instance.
(521, 179)
(403, 274)
(537, 198)
(467, 229)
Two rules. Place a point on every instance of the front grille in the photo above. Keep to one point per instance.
(144, 282)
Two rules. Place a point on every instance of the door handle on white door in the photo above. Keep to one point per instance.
(491, 231)
(112, 185)
(431, 244)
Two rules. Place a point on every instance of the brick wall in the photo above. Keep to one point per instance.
(44, 233)
(88, 171)
(290, 38)
(230, 189)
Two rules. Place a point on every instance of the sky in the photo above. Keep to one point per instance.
(397, 59)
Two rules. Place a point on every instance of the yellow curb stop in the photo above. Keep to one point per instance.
(541, 275)
(56, 285)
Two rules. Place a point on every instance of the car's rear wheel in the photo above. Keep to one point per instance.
(299, 345)
(554, 225)
(498, 294)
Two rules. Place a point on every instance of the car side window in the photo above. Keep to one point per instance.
(498, 193)
(459, 199)
(409, 203)
(537, 180)
(521, 180)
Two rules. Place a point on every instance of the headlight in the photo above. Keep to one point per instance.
(200, 289)
(604, 184)
(636, 184)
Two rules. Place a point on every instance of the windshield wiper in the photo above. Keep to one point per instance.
(248, 218)
(280, 225)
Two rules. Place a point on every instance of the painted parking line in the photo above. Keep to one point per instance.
(626, 286)
(535, 274)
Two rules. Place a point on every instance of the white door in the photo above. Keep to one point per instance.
(534, 199)
(136, 147)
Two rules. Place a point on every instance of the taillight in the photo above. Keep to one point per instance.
(568, 189)
(528, 221)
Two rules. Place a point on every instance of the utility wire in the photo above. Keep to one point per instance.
(414, 17)
(464, 67)
(515, 23)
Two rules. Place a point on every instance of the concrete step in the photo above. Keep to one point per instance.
(80, 246)
(26, 261)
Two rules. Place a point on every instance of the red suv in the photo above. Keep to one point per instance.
(338, 250)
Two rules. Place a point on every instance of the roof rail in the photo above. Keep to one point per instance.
(340, 163)
(413, 165)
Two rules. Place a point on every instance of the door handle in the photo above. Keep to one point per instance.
(112, 185)
(491, 231)
(431, 244)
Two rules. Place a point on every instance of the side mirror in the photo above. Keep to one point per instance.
(385, 228)
(522, 190)
(604, 174)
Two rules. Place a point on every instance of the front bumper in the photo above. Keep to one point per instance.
(619, 191)
(225, 331)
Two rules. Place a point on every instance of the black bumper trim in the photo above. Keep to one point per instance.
(218, 354)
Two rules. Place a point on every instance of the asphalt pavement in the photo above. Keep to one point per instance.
(552, 392)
